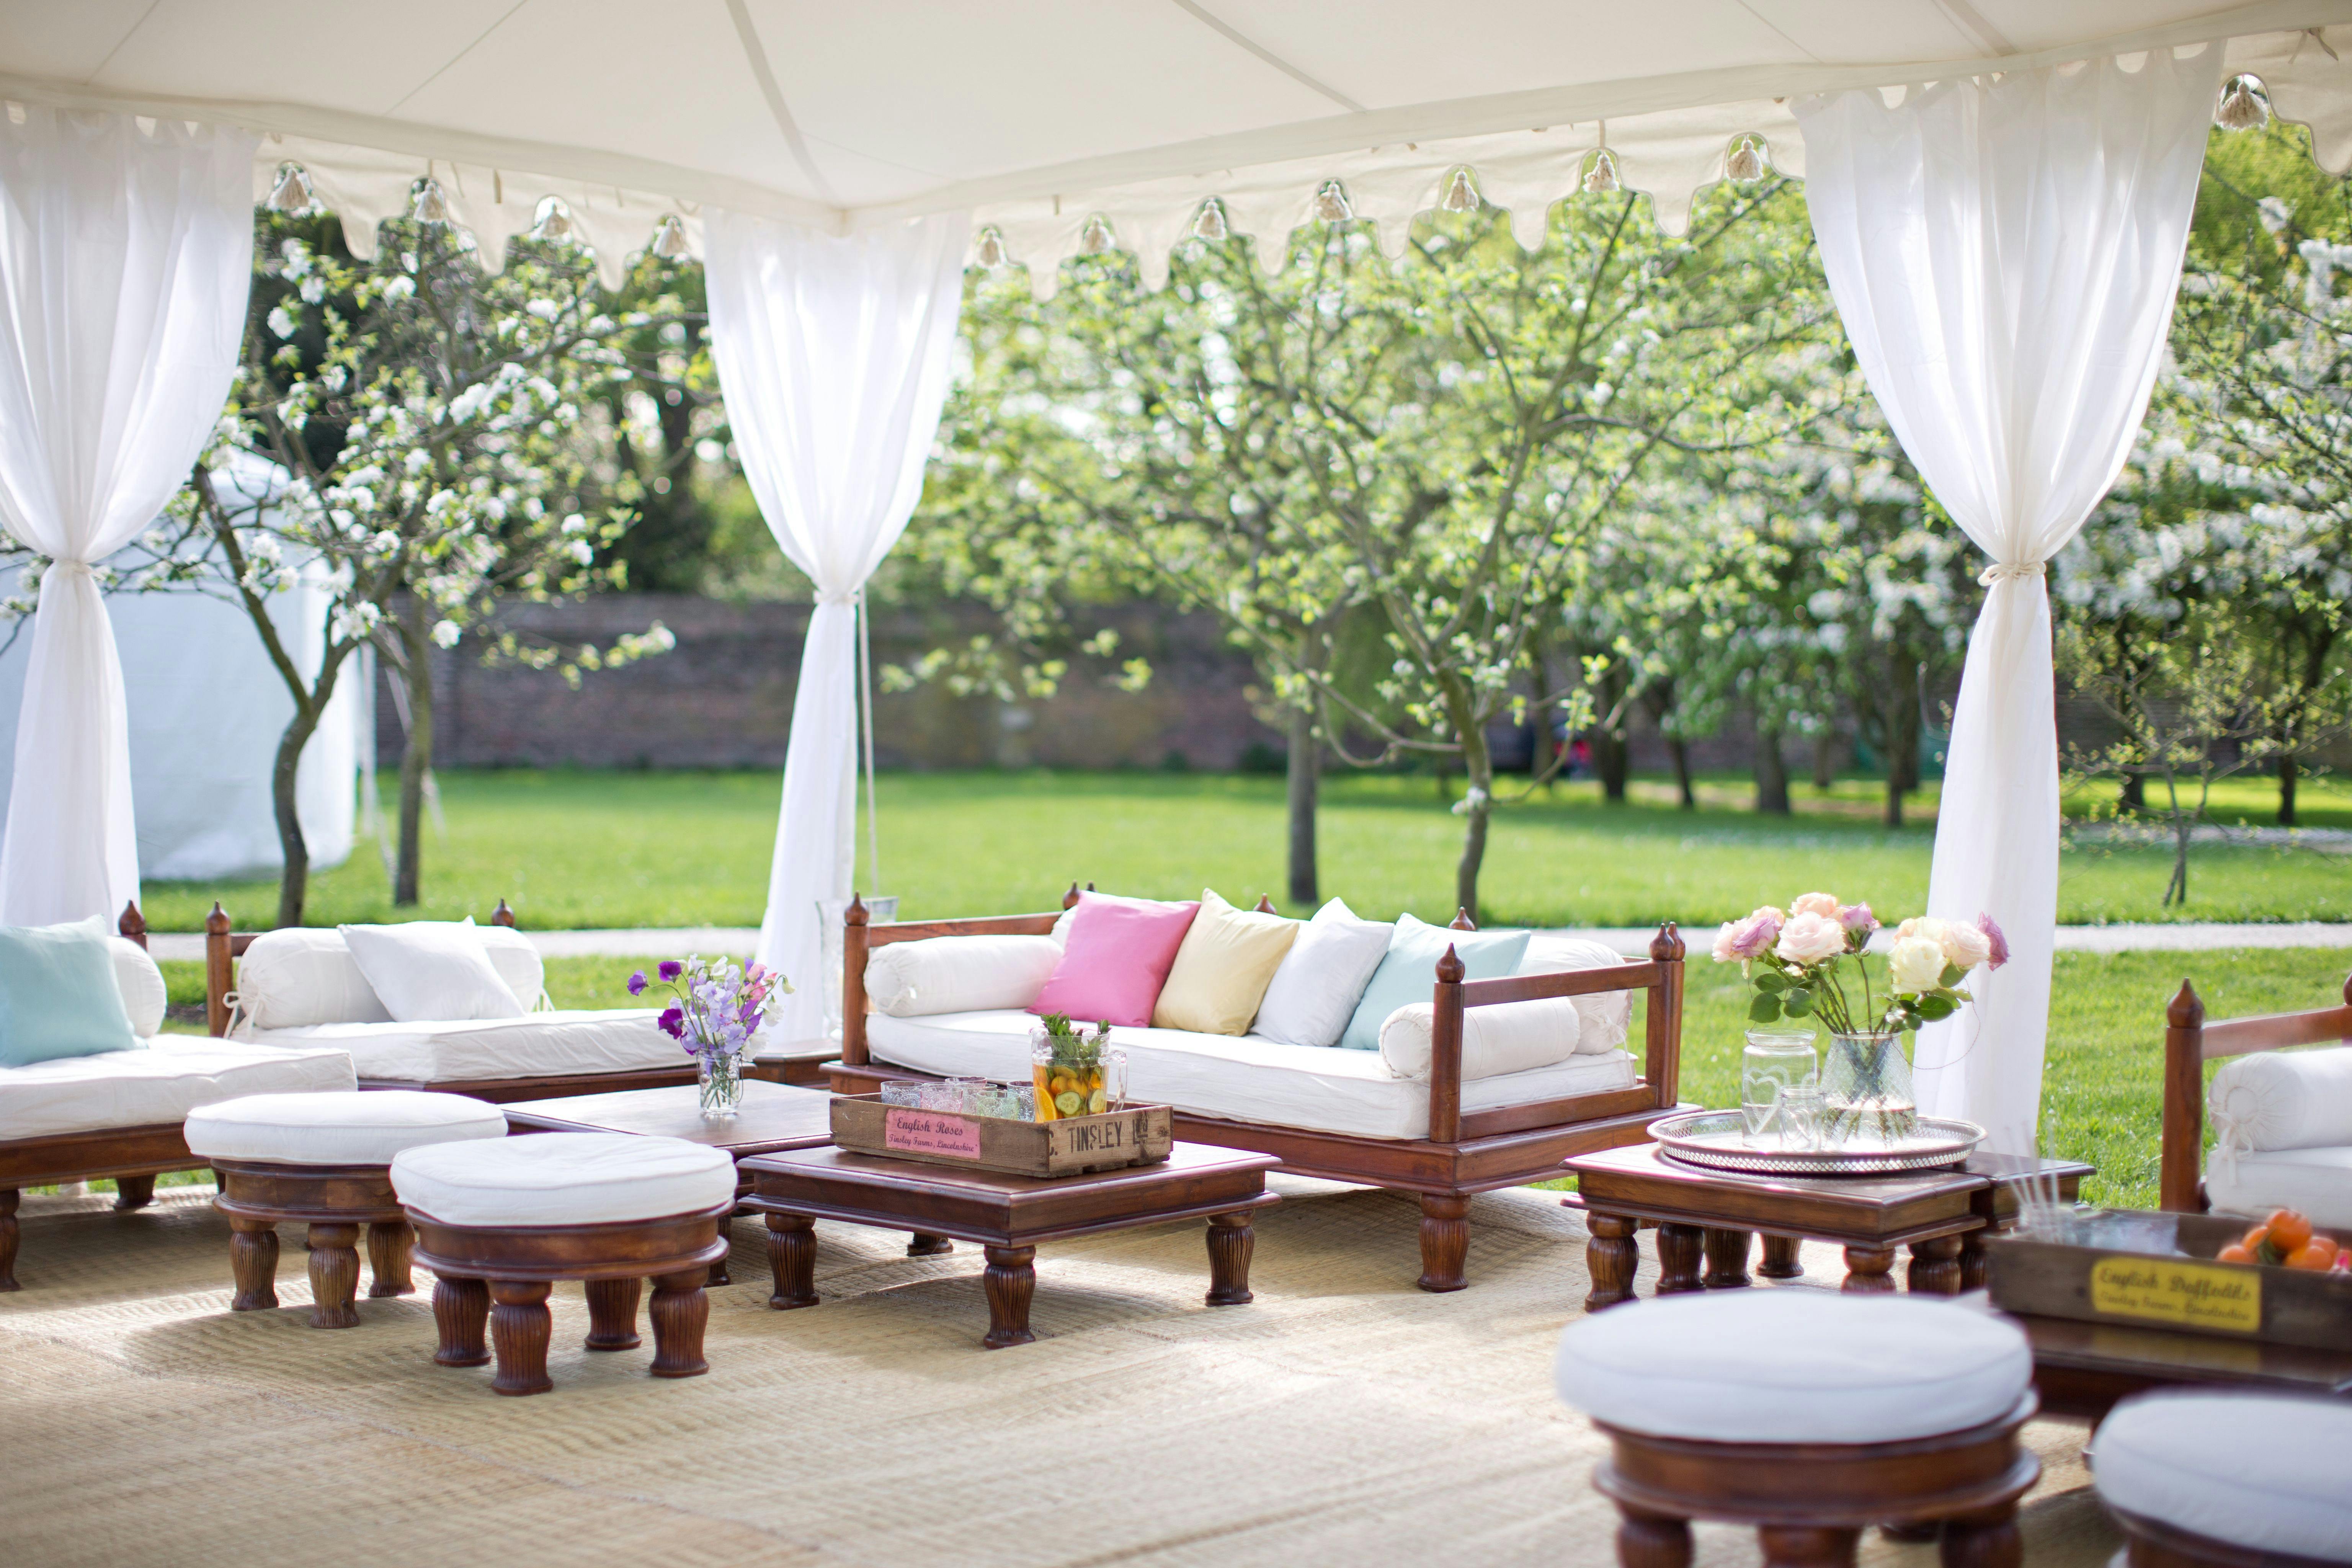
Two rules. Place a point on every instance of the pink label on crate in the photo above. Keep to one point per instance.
(928, 1132)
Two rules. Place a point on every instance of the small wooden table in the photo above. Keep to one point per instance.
(1008, 1216)
(1704, 1216)
(2082, 1369)
(774, 1117)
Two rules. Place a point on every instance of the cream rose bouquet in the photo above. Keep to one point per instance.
(1799, 959)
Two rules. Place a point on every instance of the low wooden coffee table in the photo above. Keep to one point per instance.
(1008, 1216)
(1708, 1216)
(774, 1117)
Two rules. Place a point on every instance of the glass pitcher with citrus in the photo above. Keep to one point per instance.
(1068, 1064)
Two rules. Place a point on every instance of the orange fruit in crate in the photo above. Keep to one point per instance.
(2236, 1252)
(2316, 1254)
(2289, 1230)
(2257, 1235)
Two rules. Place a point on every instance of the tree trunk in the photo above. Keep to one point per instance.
(416, 757)
(1304, 770)
(1610, 759)
(1477, 803)
(2132, 799)
(294, 880)
(1679, 749)
(1771, 774)
(2287, 772)
(1825, 761)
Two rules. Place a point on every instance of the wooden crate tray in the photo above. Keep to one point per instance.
(1071, 1146)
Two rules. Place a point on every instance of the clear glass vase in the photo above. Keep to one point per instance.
(719, 1078)
(1866, 1090)
(1773, 1061)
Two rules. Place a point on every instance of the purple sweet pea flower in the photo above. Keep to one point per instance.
(637, 984)
(672, 1022)
(671, 969)
(1995, 940)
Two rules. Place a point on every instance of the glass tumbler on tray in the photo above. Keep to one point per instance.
(1774, 1061)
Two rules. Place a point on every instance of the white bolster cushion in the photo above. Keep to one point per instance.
(144, 997)
(1511, 1036)
(1607, 1013)
(959, 973)
(298, 976)
(2285, 1100)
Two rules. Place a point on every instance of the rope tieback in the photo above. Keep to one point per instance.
(2000, 569)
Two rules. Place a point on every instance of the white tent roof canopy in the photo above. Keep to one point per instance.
(1041, 115)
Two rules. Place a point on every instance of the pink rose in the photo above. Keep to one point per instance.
(1965, 946)
(1739, 940)
(1816, 904)
(1996, 944)
(1811, 938)
(1857, 918)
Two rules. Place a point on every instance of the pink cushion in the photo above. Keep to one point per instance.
(1116, 959)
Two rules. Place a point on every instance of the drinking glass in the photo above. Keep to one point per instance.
(1115, 1078)
(1803, 1107)
(898, 1092)
(1774, 1060)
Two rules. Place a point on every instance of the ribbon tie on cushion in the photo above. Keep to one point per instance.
(2000, 569)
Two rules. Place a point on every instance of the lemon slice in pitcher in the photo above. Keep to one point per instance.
(1099, 1102)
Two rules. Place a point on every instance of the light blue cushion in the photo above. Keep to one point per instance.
(1409, 970)
(58, 994)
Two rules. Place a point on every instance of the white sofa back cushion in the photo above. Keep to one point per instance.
(1607, 1013)
(1511, 1036)
(298, 976)
(1322, 977)
(959, 973)
(431, 969)
(141, 984)
(2284, 1099)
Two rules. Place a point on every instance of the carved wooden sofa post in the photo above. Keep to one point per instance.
(2189, 1043)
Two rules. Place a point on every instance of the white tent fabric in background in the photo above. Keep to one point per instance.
(833, 354)
(125, 253)
(2004, 255)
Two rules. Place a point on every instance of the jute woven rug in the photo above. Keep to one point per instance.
(1345, 1417)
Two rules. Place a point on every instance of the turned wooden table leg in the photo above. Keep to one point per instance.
(1679, 1247)
(680, 1312)
(923, 1243)
(1987, 1540)
(1231, 1242)
(1806, 1546)
(1866, 1271)
(390, 1244)
(716, 1273)
(133, 1193)
(1726, 1259)
(1611, 1256)
(792, 1260)
(520, 1327)
(1009, 1279)
(1935, 1266)
(1445, 1242)
(1780, 1258)
(253, 1259)
(1652, 1540)
(461, 1309)
(334, 1275)
(1972, 1258)
(8, 1238)
(613, 1314)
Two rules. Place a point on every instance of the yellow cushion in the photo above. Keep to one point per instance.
(1221, 971)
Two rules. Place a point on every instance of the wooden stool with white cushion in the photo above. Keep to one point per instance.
(2197, 1476)
(324, 1159)
(1810, 1416)
(501, 1222)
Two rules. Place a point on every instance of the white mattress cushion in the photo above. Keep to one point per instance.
(2263, 1472)
(563, 1178)
(427, 970)
(340, 1127)
(1322, 977)
(2316, 1183)
(1237, 1079)
(1793, 1366)
(544, 1044)
(144, 997)
(1511, 1036)
(1607, 1013)
(959, 973)
(162, 1081)
(300, 975)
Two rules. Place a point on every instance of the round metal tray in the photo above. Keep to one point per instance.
(1711, 1139)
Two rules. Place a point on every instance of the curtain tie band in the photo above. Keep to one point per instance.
(847, 597)
(2000, 571)
(70, 567)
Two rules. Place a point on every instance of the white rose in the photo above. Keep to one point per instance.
(1916, 963)
(1926, 926)
(1965, 945)
(1811, 939)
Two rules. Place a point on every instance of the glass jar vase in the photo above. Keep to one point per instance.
(1866, 1090)
(1774, 1060)
(719, 1076)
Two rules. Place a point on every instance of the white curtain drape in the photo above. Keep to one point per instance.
(125, 253)
(833, 355)
(2004, 254)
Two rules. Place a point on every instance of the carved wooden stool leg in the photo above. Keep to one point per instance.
(791, 1260)
(925, 1245)
(1009, 1279)
(1935, 1266)
(520, 1327)
(334, 1276)
(1781, 1259)
(1611, 1257)
(390, 1244)
(680, 1312)
(1866, 1271)
(1652, 1540)
(613, 1314)
(133, 1193)
(1231, 1242)
(1972, 1258)
(1806, 1546)
(1678, 1256)
(1726, 1259)
(8, 1238)
(1987, 1539)
(253, 1259)
(1445, 1242)
(461, 1309)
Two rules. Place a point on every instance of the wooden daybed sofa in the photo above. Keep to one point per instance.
(2284, 1116)
(1442, 1153)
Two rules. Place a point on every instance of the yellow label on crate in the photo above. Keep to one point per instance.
(2186, 1295)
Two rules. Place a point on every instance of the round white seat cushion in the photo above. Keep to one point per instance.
(342, 1127)
(2263, 1472)
(1793, 1366)
(564, 1178)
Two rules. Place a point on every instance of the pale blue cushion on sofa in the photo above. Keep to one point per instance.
(58, 994)
(1409, 970)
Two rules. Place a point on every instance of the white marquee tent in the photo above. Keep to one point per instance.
(2002, 238)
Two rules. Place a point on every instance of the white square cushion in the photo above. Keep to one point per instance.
(1510, 1036)
(563, 1178)
(160, 1082)
(431, 969)
(2316, 1182)
(346, 1127)
(1322, 977)
(2266, 1473)
(144, 997)
(542, 1045)
(1607, 1013)
(959, 973)
(301, 974)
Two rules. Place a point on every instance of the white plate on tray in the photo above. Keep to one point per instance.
(1712, 1140)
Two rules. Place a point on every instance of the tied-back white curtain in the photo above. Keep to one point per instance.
(124, 258)
(833, 354)
(2004, 254)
